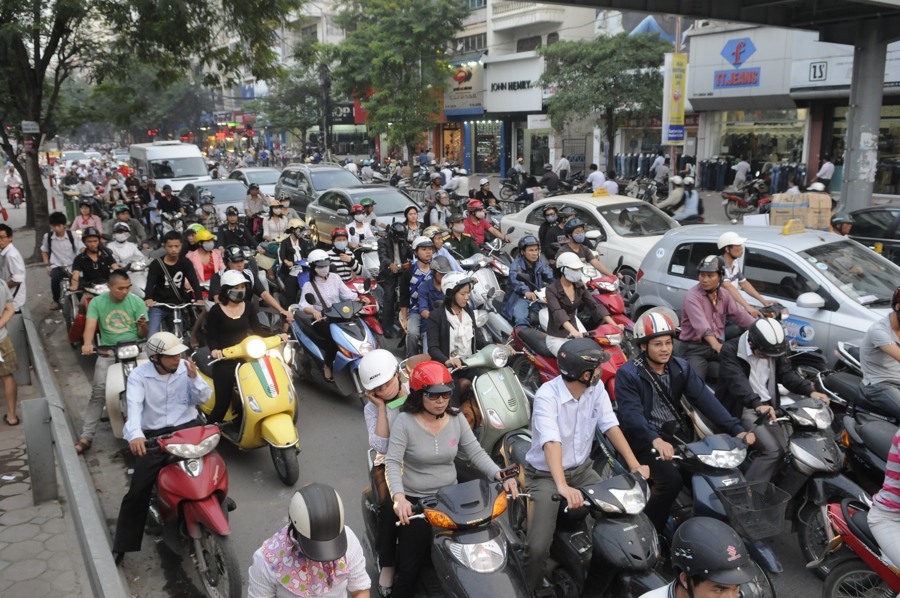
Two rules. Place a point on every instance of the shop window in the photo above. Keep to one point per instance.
(477, 3)
(552, 38)
(470, 43)
(527, 44)
(487, 147)
(452, 143)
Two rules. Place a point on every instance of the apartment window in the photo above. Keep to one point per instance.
(477, 3)
(526, 44)
(470, 43)
(309, 30)
(552, 38)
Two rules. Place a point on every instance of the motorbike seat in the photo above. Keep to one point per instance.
(849, 387)
(202, 358)
(518, 448)
(858, 522)
(536, 341)
(878, 435)
(305, 322)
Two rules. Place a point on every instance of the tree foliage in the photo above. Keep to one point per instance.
(293, 102)
(610, 78)
(394, 61)
(43, 42)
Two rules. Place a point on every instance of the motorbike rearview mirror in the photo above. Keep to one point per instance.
(367, 284)
(438, 304)
(310, 298)
(671, 428)
(490, 292)
(525, 278)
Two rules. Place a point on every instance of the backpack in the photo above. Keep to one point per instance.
(50, 245)
(426, 222)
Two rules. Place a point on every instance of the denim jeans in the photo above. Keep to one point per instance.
(413, 334)
(157, 315)
(521, 309)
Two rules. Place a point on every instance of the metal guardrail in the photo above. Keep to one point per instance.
(90, 526)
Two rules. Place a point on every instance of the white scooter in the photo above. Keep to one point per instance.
(137, 272)
(129, 355)
(488, 300)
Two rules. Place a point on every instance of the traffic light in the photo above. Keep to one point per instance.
(152, 132)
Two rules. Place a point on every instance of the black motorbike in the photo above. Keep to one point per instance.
(867, 443)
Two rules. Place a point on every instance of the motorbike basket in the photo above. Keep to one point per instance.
(755, 509)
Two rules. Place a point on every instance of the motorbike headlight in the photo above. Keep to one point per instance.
(127, 352)
(724, 459)
(138, 265)
(365, 348)
(194, 451)
(98, 289)
(256, 348)
(483, 557)
(287, 353)
(818, 418)
(632, 500)
(611, 287)
(481, 318)
(499, 356)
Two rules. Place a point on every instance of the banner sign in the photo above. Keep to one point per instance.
(674, 88)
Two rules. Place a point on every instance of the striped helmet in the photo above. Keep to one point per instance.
(653, 324)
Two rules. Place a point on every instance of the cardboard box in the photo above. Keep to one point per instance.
(813, 209)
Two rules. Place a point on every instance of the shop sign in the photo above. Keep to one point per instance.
(539, 121)
(822, 67)
(222, 117)
(737, 52)
(674, 90)
(342, 114)
(511, 83)
(465, 90)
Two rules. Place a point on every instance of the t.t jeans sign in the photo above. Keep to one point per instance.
(737, 52)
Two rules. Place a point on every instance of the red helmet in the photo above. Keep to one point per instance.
(475, 204)
(339, 232)
(357, 208)
(431, 376)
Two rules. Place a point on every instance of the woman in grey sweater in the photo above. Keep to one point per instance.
(420, 461)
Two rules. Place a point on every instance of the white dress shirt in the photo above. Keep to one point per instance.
(62, 255)
(13, 269)
(596, 179)
(558, 417)
(158, 401)
(761, 381)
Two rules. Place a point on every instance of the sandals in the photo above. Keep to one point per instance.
(83, 446)
(5, 418)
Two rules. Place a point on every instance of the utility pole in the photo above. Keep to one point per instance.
(325, 82)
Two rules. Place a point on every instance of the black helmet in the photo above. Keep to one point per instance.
(713, 263)
(455, 218)
(253, 186)
(317, 522)
(233, 253)
(767, 335)
(232, 211)
(841, 218)
(441, 264)
(85, 200)
(90, 232)
(528, 241)
(572, 224)
(578, 356)
(549, 206)
(397, 230)
(711, 549)
(567, 212)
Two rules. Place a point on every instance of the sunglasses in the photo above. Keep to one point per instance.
(437, 396)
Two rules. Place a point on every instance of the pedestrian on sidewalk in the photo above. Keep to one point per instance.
(12, 267)
(9, 364)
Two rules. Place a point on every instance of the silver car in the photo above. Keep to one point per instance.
(833, 287)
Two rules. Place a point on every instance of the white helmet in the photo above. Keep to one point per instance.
(462, 171)
(483, 182)
(422, 242)
(689, 180)
(232, 278)
(318, 257)
(677, 181)
(165, 343)
(376, 368)
(569, 260)
(816, 188)
(453, 280)
(730, 238)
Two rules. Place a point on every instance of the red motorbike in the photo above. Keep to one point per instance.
(752, 197)
(133, 200)
(191, 507)
(864, 570)
(366, 287)
(537, 365)
(16, 196)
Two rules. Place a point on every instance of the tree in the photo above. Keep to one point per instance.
(394, 61)
(612, 78)
(292, 105)
(43, 42)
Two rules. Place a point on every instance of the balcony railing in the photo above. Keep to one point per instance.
(506, 6)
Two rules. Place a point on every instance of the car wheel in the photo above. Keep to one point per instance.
(629, 284)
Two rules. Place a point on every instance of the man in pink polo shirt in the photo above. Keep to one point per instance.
(477, 223)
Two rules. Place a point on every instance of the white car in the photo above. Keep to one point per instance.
(74, 158)
(623, 227)
(263, 176)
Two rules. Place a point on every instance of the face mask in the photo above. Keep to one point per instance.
(236, 295)
(359, 217)
(572, 275)
(121, 237)
(340, 245)
(445, 201)
(459, 228)
(323, 271)
(578, 237)
(276, 212)
(479, 215)
(209, 245)
(206, 209)
(551, 218)
(285, 204)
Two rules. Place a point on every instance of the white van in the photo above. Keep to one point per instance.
(168, 163)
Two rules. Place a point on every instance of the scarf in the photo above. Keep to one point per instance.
(300, 576)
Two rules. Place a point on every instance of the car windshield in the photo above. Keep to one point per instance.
(74, 156)
(387, 200)
(858, 272)
(226, 193)
(636, 219)
(329, 179)
(263, 177)
(178, 168)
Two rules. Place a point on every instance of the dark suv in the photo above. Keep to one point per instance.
(306, 182)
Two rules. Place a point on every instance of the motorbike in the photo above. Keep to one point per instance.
(369, 316)
(605, 289)
(137, 272)
(867, 443)
(263, 410)
(471, 552)
(368, 249)
(500, 261)
(170, 221)
(848, 358)
(844, 390)
(191, 507)
(864, 570)
(510, 188)
(353, 337)
(128, 356)
(15, 194)
(487, 299)
(752, 197)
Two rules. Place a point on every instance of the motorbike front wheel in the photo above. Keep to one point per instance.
(287, 466)
(813, 537)
(854, 579)
(506, 193)
(526, 373)
(735, 212)
(760, 586)
(222, 578)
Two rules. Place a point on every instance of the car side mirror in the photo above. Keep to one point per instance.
(593, 235)
(810, 301)
(343, 212)
(310, 298)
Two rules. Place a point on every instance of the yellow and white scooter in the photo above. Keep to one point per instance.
(268, 404)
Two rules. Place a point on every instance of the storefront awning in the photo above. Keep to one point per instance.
(460, 59)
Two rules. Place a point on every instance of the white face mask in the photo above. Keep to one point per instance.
(572, 275)
(121, 237)
(458, 228)
(209, 245)
(323, 271)
(359, 217)
(285, 204)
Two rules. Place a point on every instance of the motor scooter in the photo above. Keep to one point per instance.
(263, 409)
(471, 552)
(487, 299)
(366, 287)
(368, 250)
(191, 507)
(353, 337)
(128, 356)
(751, 197)
(863, 568)
(15, 194)
(500, 261)
(137, 272)
(867, 443)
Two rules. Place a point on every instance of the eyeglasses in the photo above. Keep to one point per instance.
(437, 396)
